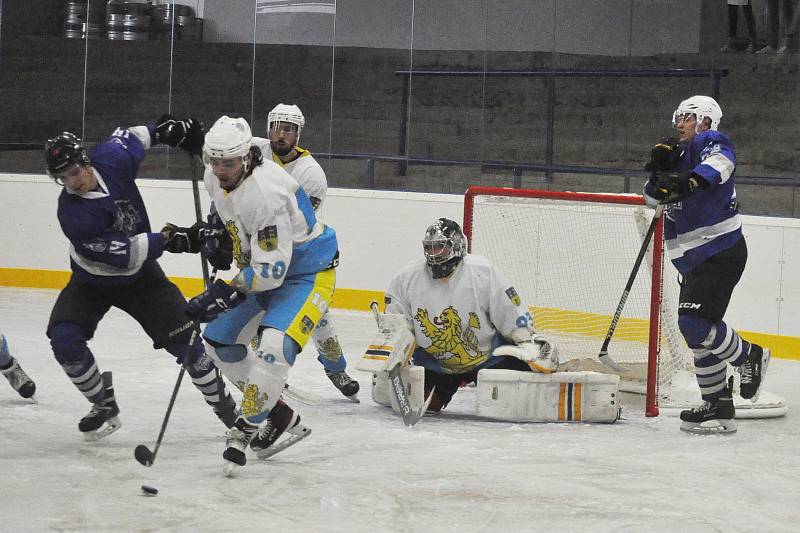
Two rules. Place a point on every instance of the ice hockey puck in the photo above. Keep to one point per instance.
(149, 491)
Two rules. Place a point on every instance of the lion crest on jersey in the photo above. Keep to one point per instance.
(253, 400)
(330, 349)
(242, 258)
(452, 345)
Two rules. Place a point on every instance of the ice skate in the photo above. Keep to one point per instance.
(752, 372)
(281, 419)
(103, 419)
(715, 416)
(346, 385)
(19, 380)
(238, 438)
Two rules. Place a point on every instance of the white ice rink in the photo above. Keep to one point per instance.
(361, 470)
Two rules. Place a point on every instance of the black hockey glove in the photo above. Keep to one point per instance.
(217, 243)
(182, 240)
(671, 187)
(186, 134)
(664, 156)
(207, 305)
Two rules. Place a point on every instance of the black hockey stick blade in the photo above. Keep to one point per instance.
(613, 365)
(144, 455)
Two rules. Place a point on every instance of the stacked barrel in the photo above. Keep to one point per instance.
(131, 21)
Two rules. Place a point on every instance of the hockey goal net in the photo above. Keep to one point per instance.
(569, 256)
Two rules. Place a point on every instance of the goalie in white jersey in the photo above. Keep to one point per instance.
(465, 316)
(284, 286)
(285, 123)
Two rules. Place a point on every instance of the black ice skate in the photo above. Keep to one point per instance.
(103, 419)
(238, 438)
(19, 380)
(346, 385)
(715, 416)
(752, 372)
(226, 410)
(281, 419)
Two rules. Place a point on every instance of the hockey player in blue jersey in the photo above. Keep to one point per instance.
(283, 288)
(113, 255)
(703, 234)
(9, 367)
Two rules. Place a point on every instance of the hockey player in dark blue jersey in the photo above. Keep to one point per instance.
(113, 255)
(703, 235)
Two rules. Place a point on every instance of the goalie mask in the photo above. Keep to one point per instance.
(444, 245)
(702, 107)
(63, 152)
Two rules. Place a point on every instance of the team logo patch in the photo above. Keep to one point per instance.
(268, 238)
(513, 296)
(306, 325)
(95, 245)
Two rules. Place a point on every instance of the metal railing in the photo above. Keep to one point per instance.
(714, 76)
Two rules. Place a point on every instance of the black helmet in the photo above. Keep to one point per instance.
(444, 245)
(64, 151)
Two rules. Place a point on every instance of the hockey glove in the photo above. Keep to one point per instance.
(664, 156)
(219, 298)
(671, 187)
(182, 240)
(186, 134)
(217, 243)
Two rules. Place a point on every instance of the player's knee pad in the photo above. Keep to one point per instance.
(695, 329)
(68, 341)
(276, 347)
(414, 380)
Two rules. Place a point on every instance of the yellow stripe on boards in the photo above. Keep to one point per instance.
(590, 324)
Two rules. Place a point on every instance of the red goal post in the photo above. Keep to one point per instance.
(568, 254)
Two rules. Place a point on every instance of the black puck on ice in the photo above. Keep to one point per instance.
(149, 491)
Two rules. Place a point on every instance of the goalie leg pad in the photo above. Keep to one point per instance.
(413, 378)
(558, 397)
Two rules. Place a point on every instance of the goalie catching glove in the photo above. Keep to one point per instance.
(186, 134)
(539, 352)
(207, 305)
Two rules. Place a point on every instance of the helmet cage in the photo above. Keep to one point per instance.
(444, 245)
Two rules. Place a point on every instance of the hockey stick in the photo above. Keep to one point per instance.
(604, 357)
(398, 387)
(142, 452)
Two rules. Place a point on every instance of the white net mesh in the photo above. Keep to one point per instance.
(570, 259)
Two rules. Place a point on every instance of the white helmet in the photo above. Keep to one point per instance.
(287, 113)
(701, 107)
(228, 137)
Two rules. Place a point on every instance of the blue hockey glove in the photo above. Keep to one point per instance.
(217, 243)
(207, 305)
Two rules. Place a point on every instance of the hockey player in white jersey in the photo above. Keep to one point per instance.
(10, 368)
(285, 124)
(465, 316)
(283, 288)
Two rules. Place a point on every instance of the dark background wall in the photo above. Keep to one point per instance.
(351, 95)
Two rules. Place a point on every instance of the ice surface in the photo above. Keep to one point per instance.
(361, 470)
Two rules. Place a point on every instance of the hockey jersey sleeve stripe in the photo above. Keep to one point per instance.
(715, 166)
(304, 204)
(143, 134)
(682, 243)
(137, 254)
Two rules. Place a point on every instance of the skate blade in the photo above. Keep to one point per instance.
(353, 398)
(715, 427)
(111, 425)
(228, 468)
(297, 434)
